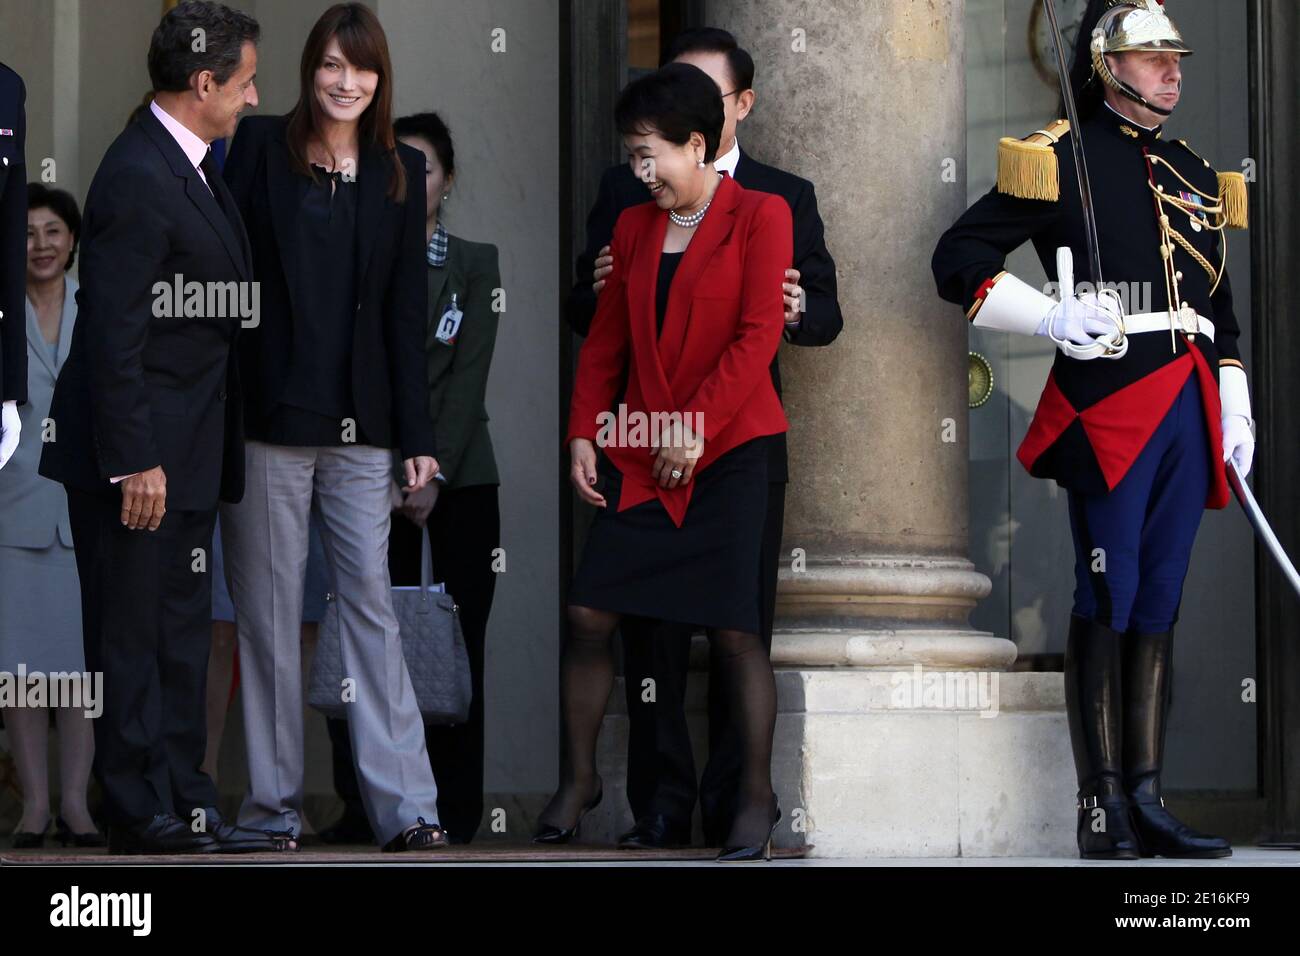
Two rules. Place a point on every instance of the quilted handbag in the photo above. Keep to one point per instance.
(433, 646)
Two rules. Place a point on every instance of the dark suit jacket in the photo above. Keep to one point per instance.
(721, 329)
(458, 373)
(140, 389)
(13, 238)
(822, 320)
(389, 390)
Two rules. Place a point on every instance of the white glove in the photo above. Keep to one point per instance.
(1081, 319)
(10, 426)
(1238, 439)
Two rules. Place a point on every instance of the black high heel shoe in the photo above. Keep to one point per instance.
(29, 840)
(63, 835)
(749, 854)
(548, 834)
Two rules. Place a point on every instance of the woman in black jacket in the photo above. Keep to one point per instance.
(333, 373)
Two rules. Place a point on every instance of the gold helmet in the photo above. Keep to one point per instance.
(1131, 25)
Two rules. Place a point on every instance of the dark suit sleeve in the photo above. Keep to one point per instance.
(13, 270)
(455, 407)
(976, 247)
(406, 317)
(123, 249)
(821, 321)
(600, 232)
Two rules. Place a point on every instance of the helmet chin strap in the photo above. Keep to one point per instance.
(1138, 98)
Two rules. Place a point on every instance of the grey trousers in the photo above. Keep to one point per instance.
(265, 541)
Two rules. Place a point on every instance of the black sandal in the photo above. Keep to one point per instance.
(421, 836)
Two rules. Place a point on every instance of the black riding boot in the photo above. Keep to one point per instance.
(1092, 704)
(1148, 681)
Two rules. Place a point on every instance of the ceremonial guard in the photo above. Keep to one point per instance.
(1146, 401)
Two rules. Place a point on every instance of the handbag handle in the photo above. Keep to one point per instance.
(426, 570)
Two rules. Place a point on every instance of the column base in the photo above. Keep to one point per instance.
(907, 762)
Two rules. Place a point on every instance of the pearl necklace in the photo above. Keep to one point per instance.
(693, 220)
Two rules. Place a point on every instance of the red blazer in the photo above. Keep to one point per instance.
(721, 331)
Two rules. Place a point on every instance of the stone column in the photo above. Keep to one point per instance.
(868, 101)
(881, 747)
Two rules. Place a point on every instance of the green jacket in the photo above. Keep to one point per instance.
(458, 373)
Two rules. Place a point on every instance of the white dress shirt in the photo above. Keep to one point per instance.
(195, 148)
(726, 163)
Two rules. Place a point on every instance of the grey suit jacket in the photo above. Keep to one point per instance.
(34, 509)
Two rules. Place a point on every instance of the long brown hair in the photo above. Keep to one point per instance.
(362, 40)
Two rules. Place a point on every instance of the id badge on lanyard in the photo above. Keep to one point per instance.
(449, 323)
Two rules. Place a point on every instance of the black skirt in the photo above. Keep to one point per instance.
(705, 573)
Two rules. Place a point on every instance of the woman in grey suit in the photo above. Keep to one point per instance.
(40, 629)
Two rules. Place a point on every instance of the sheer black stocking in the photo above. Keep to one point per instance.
(746, 669)
(586, 679)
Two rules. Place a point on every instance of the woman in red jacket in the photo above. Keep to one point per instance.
(689, 322)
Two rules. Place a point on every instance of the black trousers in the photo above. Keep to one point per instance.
(464, 529)
(146, 610)
(660, 766)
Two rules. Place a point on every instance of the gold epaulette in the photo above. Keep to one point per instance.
(1027, 167)
(1232, 194)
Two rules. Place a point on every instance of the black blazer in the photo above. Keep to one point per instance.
(822, 320)
(13, 238)
(389, 390)
(139, 389)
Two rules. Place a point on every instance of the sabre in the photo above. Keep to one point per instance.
(1261, 525)
(1115, 344)
(1076, 144)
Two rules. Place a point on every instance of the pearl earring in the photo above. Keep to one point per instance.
(700, 164)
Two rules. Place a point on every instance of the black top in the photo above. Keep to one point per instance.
(668, 262)
(389, 384)
(318, 393)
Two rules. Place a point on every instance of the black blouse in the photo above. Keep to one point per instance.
(318, 392)
(668, 262)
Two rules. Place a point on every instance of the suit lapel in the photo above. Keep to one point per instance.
(199, 194)
(284, 196)
(709, 234)
(372, 182)
(38, 346)
(642, 275)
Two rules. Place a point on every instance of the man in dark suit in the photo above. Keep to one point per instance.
(147, 430)
(661, 770)
(13, 259)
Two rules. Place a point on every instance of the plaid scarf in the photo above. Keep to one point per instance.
(437, 251)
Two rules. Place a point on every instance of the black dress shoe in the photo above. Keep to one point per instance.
(351, 828)
(421, 836)
(28, 840)
(655, 832)
(760, 851)
(64, 835)
(232, 838)
(546, 833)
(165, 833)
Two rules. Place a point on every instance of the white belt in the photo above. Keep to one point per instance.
(1187, 322)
